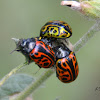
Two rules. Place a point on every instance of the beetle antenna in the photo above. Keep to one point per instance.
(14, 50)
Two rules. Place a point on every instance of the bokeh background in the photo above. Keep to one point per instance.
(23, 19)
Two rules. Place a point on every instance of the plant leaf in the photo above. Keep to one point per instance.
(15, 84)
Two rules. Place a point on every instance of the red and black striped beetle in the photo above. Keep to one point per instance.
(66, 64)
(37, 51)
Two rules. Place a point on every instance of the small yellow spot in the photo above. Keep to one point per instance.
(40, 38)
(68, 34)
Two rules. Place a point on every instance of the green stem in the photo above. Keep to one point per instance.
(91, 32)
(12, 72)
(95, 28)
(34, 85)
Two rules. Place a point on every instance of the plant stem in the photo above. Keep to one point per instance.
(34, 85)
(12, 72)
(95, 28)
(91, 32)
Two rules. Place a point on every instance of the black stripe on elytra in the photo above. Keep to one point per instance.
(42, 56)
(59, 65)
(69, 73)
(76, 64)
(47, 52)
(46, 64)
(64, 79)
(66, 75)
(70, 63)
(45, 60)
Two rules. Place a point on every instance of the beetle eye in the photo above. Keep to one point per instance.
(22, 43)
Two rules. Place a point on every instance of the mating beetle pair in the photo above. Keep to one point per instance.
(41, 51)
(66, 63)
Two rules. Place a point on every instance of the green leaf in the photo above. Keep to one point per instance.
(15, 84)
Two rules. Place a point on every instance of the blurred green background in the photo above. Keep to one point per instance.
(23, 19)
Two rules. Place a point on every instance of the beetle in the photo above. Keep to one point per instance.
(66, 64)
(56, 29)
(37, 51)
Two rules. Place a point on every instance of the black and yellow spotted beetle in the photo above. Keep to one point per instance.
(56, 29)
